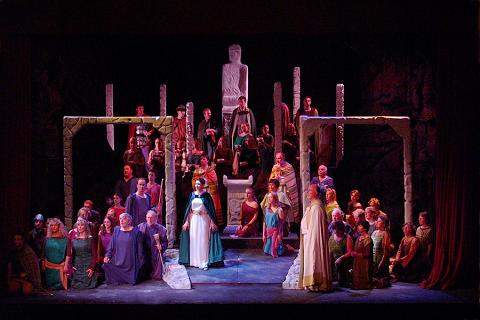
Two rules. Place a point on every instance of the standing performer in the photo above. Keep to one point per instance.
(208, 133)
(153, 251)
(138, 203)
(315, 268)
(200, 244)
(241, 114)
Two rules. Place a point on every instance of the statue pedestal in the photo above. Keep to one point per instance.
(235, 197)
(226, 116)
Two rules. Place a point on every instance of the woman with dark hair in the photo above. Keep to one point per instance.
(117, 207)
(104, 237)
(340, 246)
(248, 215)
(156, 159)
(55, 251)
(82, 255)
(407, 261)
(381, 247)
(362, 254)
(354, 202)
(208, 173)
(200, 244)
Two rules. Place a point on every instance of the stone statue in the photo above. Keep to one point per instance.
(234, 84)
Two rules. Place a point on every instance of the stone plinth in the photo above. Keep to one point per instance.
(175, 275)
(235, 197)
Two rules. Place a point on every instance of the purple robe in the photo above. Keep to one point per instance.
(137, 207)
(153, 259)
(126, 255)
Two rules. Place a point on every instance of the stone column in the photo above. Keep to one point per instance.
(170, 205)
(304, 161)
(163, 100)
(235, 196)
(296, 91)
(277, 115)
(339, 132)
(407, 176)
(189, 120)
(109, 113)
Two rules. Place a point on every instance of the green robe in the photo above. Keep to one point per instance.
(215, 255)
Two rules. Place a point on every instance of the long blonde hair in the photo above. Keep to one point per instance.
(61, 228)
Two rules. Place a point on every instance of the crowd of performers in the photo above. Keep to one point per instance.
(127, 245)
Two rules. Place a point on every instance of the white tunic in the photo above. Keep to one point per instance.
(199, 234)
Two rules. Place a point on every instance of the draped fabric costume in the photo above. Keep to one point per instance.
(315, 271)
(210, 176)
(126, 256)
(338, 249)
(55, 252)
(239, 117)
(273, 229)
(153, 258)
(136, 159)
(24, 260)
(362, 265)
(208, 142)
(329, 209)
(378, 252)
(83, 253)
(247, 215)
(137, 207)
(287, 172)
(200, 247)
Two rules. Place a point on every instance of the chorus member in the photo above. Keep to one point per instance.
(208, 173)
(362, 254)
(375, 203)
(179, 135)
(55, 252)
(425, 236)
(337, 215)
(124, 259)
(82, 255)
(266, 136)
(315, 270)
(290, 145)
(156, 159)
(331, 202)
(248, 215)
(208, 133)
(128, 184)
(36, 237)
(407, 263)
(354, 203)
(340, 246)
(381, 254)
(370, 217)
(155, 241)
(285, 173)
(104, 237)
(323, 181)
(153, 188)
(272, 227)
(117, 207)
(23, 271)
(285, 204)
(358, 216)
(241, 114)
(249, 158)
(197, 153)
(200, 244)
(134, 157)
(138, 203)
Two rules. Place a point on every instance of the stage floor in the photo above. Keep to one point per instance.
(250, 277)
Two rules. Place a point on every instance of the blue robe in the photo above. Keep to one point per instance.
(137, 207)
(153, 260)
(126, 255)
(215, 255)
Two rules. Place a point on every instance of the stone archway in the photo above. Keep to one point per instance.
(71, 125)
(401, 125)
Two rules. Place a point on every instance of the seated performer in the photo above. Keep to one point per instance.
(272, 231)
(124, 259)
(331, 203)
(82, 255)
(407, 263)
(340, 246)
(200, 244)
(315, 271)
(104, 237)
(155, 241)
(23, 272)
(208, 173)
(323, 181)
(249, 158)
(248, 215)
(138, 203)
(362, 252)
(55, 252)
(284, 172)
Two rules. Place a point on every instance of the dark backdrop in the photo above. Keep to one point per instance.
(393, 59)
